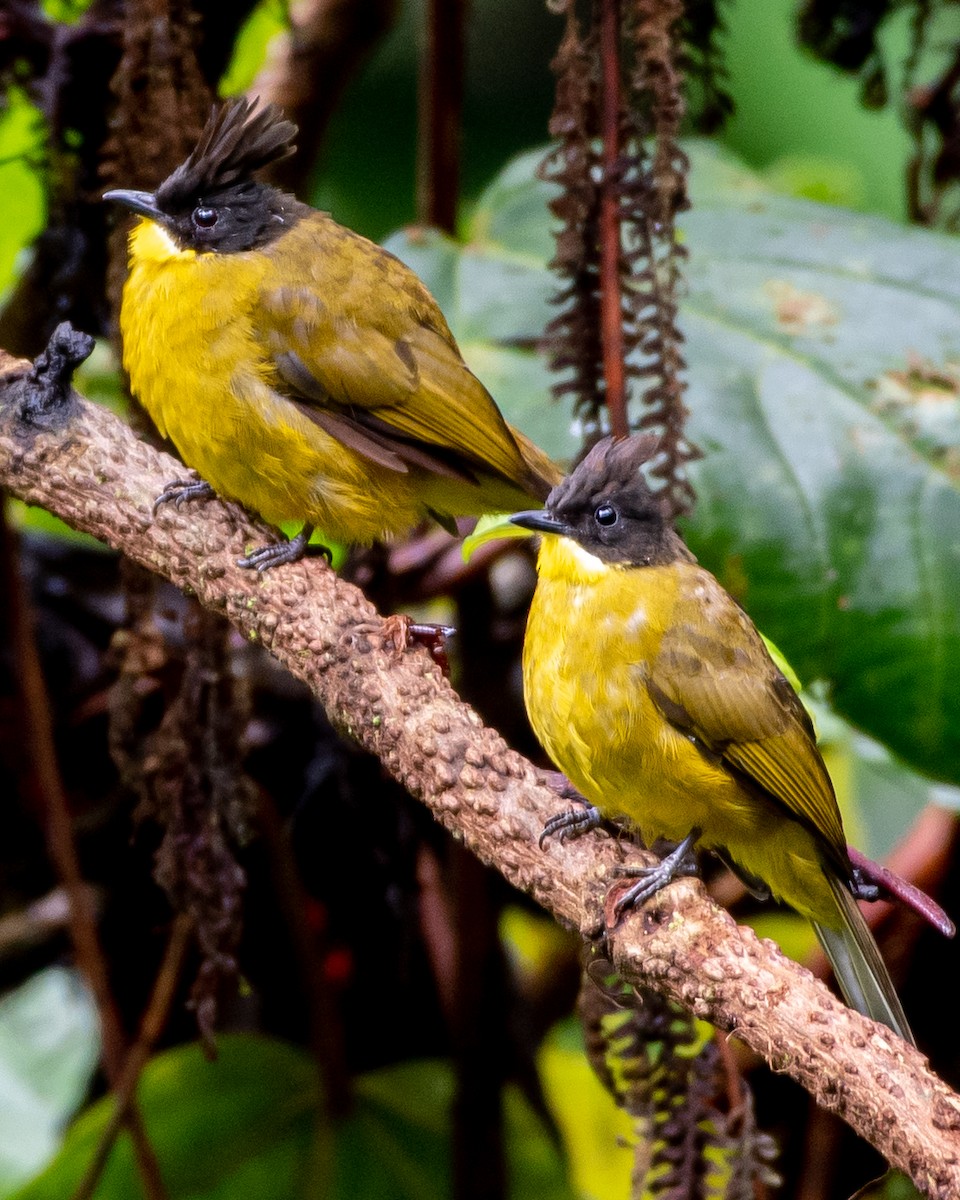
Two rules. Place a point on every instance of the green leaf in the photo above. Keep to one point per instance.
(240, 1126)
(824, 388)
(251, 1125)
(492, 527)
(893, 1185)
(68, 12)
(49, 1046)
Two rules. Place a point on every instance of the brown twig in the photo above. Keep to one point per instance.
(473, 1015)
(52, 801)
(40, 920)
(151, 1026)
(440, 108)
(325, 1024)
(87, 466)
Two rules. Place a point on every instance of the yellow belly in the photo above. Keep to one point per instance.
(588, 645)
(194, 362)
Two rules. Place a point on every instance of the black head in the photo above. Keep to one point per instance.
(212, 200)
(606, 506)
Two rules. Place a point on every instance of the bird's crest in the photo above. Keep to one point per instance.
(611, 468)
(238, 139)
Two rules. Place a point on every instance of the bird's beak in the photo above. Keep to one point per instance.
(540, 520)
(144, 203)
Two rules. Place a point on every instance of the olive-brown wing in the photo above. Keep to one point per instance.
(714, 680)
(353, 331)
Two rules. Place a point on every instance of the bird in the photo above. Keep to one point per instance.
(654, 693)
(298, 368)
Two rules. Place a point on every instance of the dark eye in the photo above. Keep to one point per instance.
(606, 515)
(205, 218)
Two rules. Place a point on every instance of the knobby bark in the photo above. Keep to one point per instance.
(81, 462)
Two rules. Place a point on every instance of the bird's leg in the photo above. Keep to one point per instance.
(278, 553)
(649, 880)
(557, 782)
(179, 490)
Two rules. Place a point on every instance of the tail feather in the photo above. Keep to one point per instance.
(860, 971)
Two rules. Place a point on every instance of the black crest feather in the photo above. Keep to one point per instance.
(635, 530)
(611, 468)
(238, 139)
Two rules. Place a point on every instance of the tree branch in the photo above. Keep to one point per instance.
(82, 463)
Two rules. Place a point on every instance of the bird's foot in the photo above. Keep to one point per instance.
(180, 490)
(277, 553)
(650, 880)
(574, 822)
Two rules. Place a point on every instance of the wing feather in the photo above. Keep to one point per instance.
(715, 680)
(372, 341)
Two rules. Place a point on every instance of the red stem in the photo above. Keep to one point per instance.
(611, 301)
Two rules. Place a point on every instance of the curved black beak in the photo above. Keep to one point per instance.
(144, 203)
(539, 520)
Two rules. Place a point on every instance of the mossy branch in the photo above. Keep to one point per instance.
(82, 463)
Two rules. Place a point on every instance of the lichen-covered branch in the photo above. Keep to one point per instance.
(82, 463)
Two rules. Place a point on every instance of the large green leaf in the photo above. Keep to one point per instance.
(49, 1046)
(250, 1125)
(241, 1126)
(824, 371)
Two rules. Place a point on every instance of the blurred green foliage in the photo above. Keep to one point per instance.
(789, 105)
(22, 155)
(250, 1124)
(252, 45)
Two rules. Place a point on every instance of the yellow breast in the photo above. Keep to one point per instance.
(592, 630)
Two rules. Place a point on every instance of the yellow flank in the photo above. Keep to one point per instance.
(202, 334)
(594, 635)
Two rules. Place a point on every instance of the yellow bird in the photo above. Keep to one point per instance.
(297, 367)
(653, 692)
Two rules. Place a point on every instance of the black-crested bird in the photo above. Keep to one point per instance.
(297, 367)
(652, 690)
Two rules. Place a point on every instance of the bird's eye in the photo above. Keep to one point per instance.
(606, 515)
(205, 218)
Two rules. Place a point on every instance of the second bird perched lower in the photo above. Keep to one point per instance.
(299, 368)
(652, 690)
